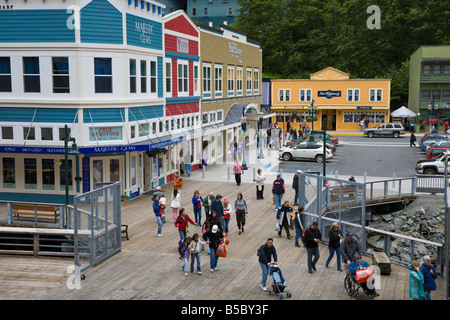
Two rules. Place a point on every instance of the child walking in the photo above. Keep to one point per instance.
(195, 247)
(206, 226)
(183, 250)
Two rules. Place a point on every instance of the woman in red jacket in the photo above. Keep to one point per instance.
(182, 224)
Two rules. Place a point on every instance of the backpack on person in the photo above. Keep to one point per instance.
(258, 252)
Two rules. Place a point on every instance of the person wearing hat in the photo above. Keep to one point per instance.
(213, 237)
(158, 193)
(349, 247)
(278, 189)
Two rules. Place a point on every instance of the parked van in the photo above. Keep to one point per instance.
(435, 152)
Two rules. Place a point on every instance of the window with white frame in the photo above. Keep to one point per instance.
(249, 80)
(256, 80)
(305, 94)
(143, 76)
(31, 74)
(153, 74)
(219, 115)
(103, 75)
(352, 95)
(230, 80)
(5, 74)
(196, 86)
(206, 78)
(168, 77)
(376, 95)
(218, 79)
(284, 95)
(182, 77)
(132, 75)
(60, 71)
(239, 80)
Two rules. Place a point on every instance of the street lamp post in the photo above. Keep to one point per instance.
(433, 110)
(312, 112)
(74, 150)
(261, 154)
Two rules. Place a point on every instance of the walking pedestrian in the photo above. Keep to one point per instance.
(260, 179)
(188, 163)
(278, 189)
(269, 130)
(213, 237)
(156, 210)
(207, 203)
(266, 252)
(299, 223)
(334, 236)
(197, 201)
(412, 140)
(240, 206)
(183, 250)
(217, 206)
(429, 275)
(349, 247)
(177, 181)
(295, 186)
(416, 282)
(195, 247)
(361, 125)
(182, 224)
(205, 227)
(158, 193)
(312, 239)
(162, 208)
(214, 219)
(175, 204)
(284, 219)
(226, 214)
(238, 170)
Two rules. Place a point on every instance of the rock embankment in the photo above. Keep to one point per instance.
(422, 219)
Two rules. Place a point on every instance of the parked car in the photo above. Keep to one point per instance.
(385, 129)
(438, 143)
(432, 166)
(319, 135)
(435, 152)
(295, 143)
(434, 137)
(305, 150)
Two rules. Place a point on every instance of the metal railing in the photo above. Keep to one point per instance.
(316, 209)
(430, 184)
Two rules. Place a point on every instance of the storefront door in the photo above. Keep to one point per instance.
(105, 171)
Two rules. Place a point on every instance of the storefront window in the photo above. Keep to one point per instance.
(9, 173)
(357, 117)
(380, 118)
(348, 117)
(98, 172)
(30, 173)
(48, 174)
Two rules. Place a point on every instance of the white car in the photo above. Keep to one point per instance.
(305, 150)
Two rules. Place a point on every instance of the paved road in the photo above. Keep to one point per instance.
(379, 157)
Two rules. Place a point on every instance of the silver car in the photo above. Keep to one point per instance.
(387, 129)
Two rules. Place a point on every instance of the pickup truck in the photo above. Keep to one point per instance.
(432, 166)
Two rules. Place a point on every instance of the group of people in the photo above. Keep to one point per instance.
(218, 212)
(215, 227)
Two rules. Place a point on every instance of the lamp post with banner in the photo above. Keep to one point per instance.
(312, 109)
(244, 128)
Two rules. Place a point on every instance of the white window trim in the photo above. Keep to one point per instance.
(185, 91)
(305, 90)
(239, 81)
(203, 79)
(219, 80)
(249, 81)
(375, 95)
(353, 90)
(231, 70)
(255, 81)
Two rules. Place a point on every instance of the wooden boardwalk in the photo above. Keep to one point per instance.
(148, 266)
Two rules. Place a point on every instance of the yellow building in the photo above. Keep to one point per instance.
(344, 102)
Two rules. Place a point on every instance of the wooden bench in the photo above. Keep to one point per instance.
(346, 191)
(124, 230)
(38, 209)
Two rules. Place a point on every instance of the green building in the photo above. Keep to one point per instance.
(429, 82)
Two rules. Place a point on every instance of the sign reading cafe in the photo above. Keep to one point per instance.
(146, 31)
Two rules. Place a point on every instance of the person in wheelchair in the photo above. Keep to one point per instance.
(357, 264)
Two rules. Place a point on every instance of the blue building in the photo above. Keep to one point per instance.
(213, 13)
(97, 67)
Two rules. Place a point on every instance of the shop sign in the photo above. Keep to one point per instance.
(182, 45)
(46, 150)
(6, 7)
(329, 94)
(105, 134)
(146, 31)
(364, 107)
(232, 48)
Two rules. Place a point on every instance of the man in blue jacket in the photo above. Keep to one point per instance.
(265, 253)
(217, 206)
(278, 189)
(156, 210)
(429, 274)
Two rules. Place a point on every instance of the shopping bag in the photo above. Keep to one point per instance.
(221, 251)
(277, 227)
(362, 275)
(273, 200)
